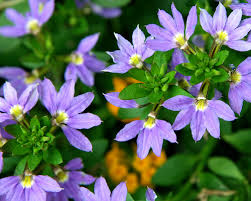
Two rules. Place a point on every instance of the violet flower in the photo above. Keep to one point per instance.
(240, 85)
(113, 98)
(69, 178)
(245, 7)
(129, 56)
(82, 63)
(19, 78)
(31, 23)
(173, 35)
(150, 195)
(65, 110)
(226, 30)
(99, 10)
(103, 193)
(14, 107)
(200, 113)
(27, 187)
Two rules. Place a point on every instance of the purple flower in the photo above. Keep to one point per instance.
(129, 56)
(19, 78)
(27, 187)
(97, 9)
(83, 63)
(31, 23)
(14, 107)
(150, 195)
(226, 30)
(200, 113)
(173, 35)
(113, 98)
(103, 193)
(69, 178)
(245, 7)
(240, 85)
(65, 110)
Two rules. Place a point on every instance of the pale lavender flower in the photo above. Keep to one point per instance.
(245, 7)
(129, 56)
(27, 187)
(150, 195)
(173, 35)
(240, 86)
(103, 193)
(99, 10)
(83, 64)
(31, 23)
(200, 113)
(226, 30)
(13, 107)
(199, 41)
(113, 98)
(70, 178)
(19, 78)
(66, 111)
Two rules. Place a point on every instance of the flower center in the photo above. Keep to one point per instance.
(150, 121)
(180, 40)
(40, 7)
(27, 181)
(17, 112)
(135, 61)
(222, 37)
(77, 59)
(201, 103)
(235, 77)
(33, 26)
(61, 117)
(62, 176)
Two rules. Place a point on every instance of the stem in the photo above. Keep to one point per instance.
(145, 68)
(7, 4)
(26, 123)
(211, 53)
(204, 88)
(191, 49)
(53, 129)
(226, 68)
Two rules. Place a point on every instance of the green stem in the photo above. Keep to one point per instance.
(53, 129)
(204, 88)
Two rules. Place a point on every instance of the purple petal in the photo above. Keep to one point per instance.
(7, 183)
(206, 21)
(233, 20)
(183, 118)
(48, 95)
(119, 193)
(74, 164)
(156, 140)
(129, 131)
(10, 94)
(235, 100)
(150, 194)
(88, 43)
(222, 110)
(118, 68)
(147, 52)
(47, 183)
(71, 72)
(138, 40)
(240, 32)
(114, 99)
(47, 11)
(34, 8)
(102, 190)
(4, 117)
(245, 66)
(245, 21)
(12, 31)
(197, 125)
(212, 123)
(178, 19)
(245, 7)
(36, 193)
(88, 195)
(10, 73)
(166, 131)
(1, 161)
(124, 45)
(161, 45)
(84, 121)
(144, 143)
(17, 194)
(77, 139)
(14, 16)
(119, 57)
(4, 105)
(93, 64)
(239, 45)
(105, 12)
(219, 18)
(178, 58)
(158, 32)
(65, 95)
(167, 21)
(85, 75)
(191, 22)
(80, 103)
(29, 98)
(178, 103)
(88, 179)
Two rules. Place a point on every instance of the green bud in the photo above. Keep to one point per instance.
(164, 88)
(207, 70)
(156, 89)
(149, 76)
(189, 66)
(165, 79)
(215, 72)
(163, 70)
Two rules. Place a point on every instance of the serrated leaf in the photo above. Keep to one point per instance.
(134, 91)
(52, 156)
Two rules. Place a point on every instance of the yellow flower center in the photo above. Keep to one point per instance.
(135, 61)
(77, 59)
(17, 112)
(235, 77)
(61, 117)
(62, 176)
(180, 41)
(27, 181)
(33, 26)
(150, 121)
(3, 141)
(222, 37)
(40, 7)
(201, 103)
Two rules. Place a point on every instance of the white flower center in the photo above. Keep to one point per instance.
(180, 41)
(201, 103)
(221, 37)
(136, 61)
(150, 121)
(77, 58)
(17, 112)
(235, 77)
(27, 181)
(61, 117)
(33, 27)
(62, 176)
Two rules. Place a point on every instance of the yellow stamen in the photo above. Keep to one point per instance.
(61, 117)
(17, 112)
(3, 141)
(235, 77)
(150, 121)
(77, 59)
(180, 41)
(33, 26)
(135, 61)
(201, 103)
(62, 176)
(222, 37)
(27, 181)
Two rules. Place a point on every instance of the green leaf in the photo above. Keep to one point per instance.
(155, 69)
(129, 113)
(31, 61)
(134, 91)
(45, 121)
(224, 76)
(129, 197)
(138, 74)
(155, 97)
(168, 77)
(111, 3)
(20, 150)
(196, 80)
(183, 70)
(221, 56)
(225, 167)
(13, 129)
(52, 156)
(175, 170)
(34, 123)
(210, 181)
(162, 58)
(175, 91)
(21, 166)
(33, 161)
(240, 140)
(10, 163)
